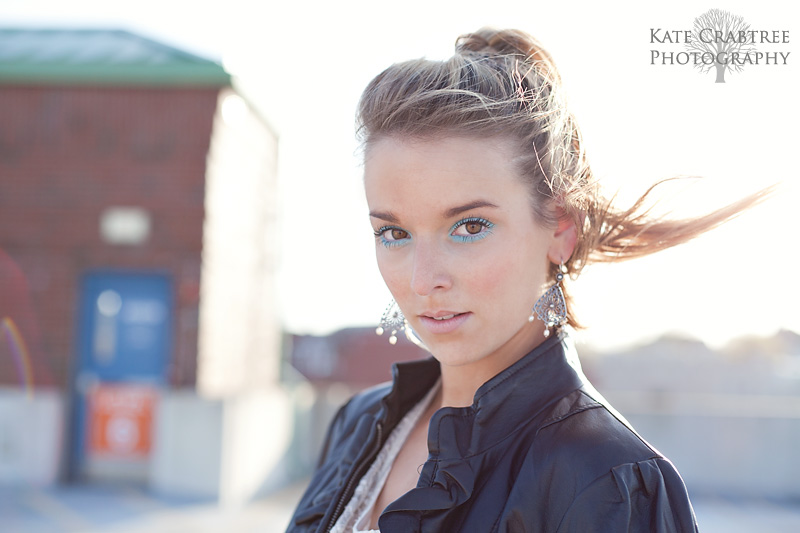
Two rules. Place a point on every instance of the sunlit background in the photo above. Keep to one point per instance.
(305, 65)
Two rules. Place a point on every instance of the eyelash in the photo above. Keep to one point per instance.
(474, 236)
(379, 234)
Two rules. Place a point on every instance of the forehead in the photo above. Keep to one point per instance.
(443, 168)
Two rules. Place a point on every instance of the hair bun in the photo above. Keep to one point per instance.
(498, 42)
(493, 42)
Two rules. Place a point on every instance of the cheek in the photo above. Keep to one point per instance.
(392, 270)
(512, 276)
(497, 279)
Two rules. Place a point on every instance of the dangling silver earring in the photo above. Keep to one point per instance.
(392, 320)
(551, 307)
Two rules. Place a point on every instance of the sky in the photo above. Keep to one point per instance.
(304, 66)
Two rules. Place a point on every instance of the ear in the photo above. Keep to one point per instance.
(565, 237)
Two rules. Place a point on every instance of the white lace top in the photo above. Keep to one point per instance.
(356, 516)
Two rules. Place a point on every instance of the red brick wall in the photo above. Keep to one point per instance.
(65, 155)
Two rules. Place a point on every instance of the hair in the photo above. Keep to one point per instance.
(503, 83)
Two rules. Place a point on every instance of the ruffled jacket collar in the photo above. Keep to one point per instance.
(463, 440)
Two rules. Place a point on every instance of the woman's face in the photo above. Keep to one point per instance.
(458, 245)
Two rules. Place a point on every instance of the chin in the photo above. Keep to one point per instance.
(455, 354)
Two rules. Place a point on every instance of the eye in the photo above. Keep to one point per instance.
(397, 234)
(471, 229)
(392, 236)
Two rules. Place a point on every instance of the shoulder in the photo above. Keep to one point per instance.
(602, 472)
(347, 432)
(585, 430)
(364, 403)
(640, 496)
(368, 400)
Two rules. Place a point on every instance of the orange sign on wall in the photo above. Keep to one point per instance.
(120, 420)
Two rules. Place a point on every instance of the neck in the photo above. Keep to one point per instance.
(461, 382)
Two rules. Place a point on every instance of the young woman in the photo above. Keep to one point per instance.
(483, 205)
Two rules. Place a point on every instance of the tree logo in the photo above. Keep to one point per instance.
(725, 37)
(721, 41)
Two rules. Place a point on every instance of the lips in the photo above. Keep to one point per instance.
(441, 322)
(439, 315)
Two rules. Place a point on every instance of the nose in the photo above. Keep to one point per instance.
(430, 271)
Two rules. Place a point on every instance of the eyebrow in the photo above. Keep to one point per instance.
(453, 211)
(388, 216)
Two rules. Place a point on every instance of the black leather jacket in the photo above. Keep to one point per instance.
(539, 450)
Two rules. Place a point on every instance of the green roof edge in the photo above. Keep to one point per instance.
(210, 74)
(197, 71)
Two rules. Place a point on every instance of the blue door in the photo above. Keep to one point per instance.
(124, 339)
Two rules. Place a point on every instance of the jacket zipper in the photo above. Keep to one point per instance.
(355, 477)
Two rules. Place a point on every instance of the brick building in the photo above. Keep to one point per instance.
(133, 179)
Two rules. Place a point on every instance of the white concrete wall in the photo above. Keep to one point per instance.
(187, 446)
(221, 449)
(30, 436)
(239, 337)
(740, 445)
(257, 434)
(226, 439)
